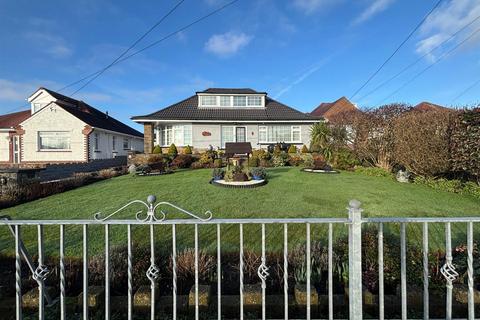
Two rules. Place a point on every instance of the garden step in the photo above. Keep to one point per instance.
(96, 297)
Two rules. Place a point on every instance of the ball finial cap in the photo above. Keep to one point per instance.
(151, 199)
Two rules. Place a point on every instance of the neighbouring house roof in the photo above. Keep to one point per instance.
(188, 110)
(90, 115)
(12, 120)
(428, 106)
(329, 110)
(231, 91)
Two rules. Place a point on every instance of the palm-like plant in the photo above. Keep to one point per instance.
(320, 136)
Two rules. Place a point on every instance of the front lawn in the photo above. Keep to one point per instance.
(289, 193)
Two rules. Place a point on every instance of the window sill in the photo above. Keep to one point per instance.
(53, 150)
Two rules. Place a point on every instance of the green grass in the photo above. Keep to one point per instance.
(289, 193)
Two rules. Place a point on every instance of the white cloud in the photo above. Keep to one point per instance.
(228, 43)
(446, 20)
(312, 6)
(375, 7)
(49, 43)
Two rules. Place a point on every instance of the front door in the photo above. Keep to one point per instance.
(16, 149)
(240, 133)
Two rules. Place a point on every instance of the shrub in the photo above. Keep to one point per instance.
(319, 162)
(422, 142)
(305, 149)
(187, 150)
(280, 159)
(218, 163)
(464, 146)
(277, 150)
(172, 150)
(260, 154)
(253, 162)
(155, 158)
(265, 163)
(292, 149)
(258, 173)
(373, 171)
(186, 265)
(344, 159)
(295, 160)
(107, 173)
(206, 159)
(182, 161)
(218, 173)
(157, 150)
(307, 160)
(455, 186)
(196, 165)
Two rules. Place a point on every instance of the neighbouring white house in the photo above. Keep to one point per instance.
(60, 129)
(219, 115)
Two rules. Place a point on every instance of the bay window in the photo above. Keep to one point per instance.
(54, 140)
(279, 133)
(180, 135)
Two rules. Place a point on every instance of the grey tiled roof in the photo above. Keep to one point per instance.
(188, 110)
(231, 91)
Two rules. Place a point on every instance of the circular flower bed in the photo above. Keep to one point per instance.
(239, 184)
(238, 177)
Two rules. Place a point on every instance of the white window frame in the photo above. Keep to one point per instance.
(204, 97)
(222, 142)
(39, 141)
(239, 96)
(293, 129)
(230, 101)
(127, 141)
(96, 142)
(114, 143)
(173, 129)
(254, 98)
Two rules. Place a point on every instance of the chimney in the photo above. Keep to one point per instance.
(106, 114)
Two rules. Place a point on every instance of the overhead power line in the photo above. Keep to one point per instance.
(419, 59)
(191, 24)
(131, 46)
(432, 64)
(396, 50)
(473, 85)
(185, 27)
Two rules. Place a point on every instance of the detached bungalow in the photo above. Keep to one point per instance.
(60, 129)
(218, 115)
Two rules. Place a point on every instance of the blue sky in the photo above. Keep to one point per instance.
(301, 52)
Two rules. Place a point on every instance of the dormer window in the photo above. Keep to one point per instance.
(215, 101)
(208, 101)
(239, 101)
(254, 101)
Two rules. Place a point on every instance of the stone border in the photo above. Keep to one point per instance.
(319, 171)
(239, 184)
(153, 174)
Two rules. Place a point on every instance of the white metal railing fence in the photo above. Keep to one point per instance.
(155, 216)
